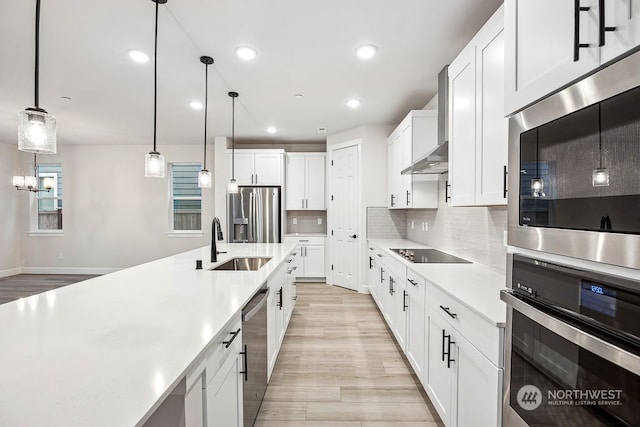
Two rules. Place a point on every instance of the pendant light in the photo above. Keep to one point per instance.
(204, 177)
(232, 187)
(30, 183)
(154, 161)
(600, 175)
(36, 127)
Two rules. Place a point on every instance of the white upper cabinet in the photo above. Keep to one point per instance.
(544, 52)
(305, 181)
(414, 137)
(258, 167)
(478, 131)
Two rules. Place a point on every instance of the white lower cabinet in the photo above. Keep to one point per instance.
(399, 311)
(415, 345)
(224, 395)
(311, 260)
(439, 374)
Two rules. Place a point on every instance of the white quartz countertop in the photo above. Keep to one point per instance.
(104, 352)
(474, 285)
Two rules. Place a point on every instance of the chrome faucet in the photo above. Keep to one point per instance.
(216, 234)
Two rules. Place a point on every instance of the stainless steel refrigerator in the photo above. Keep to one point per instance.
(254, 215)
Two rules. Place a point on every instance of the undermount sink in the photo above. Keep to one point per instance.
(242, 264)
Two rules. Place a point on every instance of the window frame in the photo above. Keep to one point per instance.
(171, 217)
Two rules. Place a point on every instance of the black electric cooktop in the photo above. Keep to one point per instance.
(429, 256)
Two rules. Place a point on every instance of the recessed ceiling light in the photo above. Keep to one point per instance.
(366, 51)
(272, 129)
(298, 96)
(354, 103)
(196, 105)
(245, 52)
(138, 56)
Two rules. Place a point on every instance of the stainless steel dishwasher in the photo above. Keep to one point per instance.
(254, 340)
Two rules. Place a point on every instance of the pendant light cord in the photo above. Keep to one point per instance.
(206, 109)
(37, 58)
(155, 81)
(233, 138)
(600, 135)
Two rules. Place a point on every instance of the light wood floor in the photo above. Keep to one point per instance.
(340, 366)
(24, 285)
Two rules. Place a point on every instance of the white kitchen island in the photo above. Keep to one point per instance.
(108, 351)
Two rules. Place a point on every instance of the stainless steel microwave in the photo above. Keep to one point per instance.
(574, 162)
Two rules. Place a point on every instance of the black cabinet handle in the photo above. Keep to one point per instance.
(412, 282)
(446, 310)
(447, 352)
(602, 27)
(404, 301)
(370, 263)
(391, 287)
(392, 197)
(504, 182)
(233, 337)
(408, 197)
(446, 191)
(576, 29)
(443, 346)
(381, 275)
(280, 298)
(353, 236)
(245, 371)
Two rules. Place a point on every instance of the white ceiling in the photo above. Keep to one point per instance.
(304, 46)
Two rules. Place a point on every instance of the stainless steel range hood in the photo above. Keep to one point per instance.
(437, 161)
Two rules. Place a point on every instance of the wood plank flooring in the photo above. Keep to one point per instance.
(340, 366)
(24, 285)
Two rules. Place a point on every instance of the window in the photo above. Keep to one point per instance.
(186, 197)
(49, 203)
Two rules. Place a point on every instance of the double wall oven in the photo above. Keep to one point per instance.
(573, 331)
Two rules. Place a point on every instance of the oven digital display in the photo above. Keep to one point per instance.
(598, 298)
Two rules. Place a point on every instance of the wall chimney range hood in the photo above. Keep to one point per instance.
(437, 161)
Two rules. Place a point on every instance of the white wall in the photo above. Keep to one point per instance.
(9, 226)
(113, 216)
(373, 172)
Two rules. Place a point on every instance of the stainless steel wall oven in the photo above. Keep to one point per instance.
(574, 162)
(573, 347)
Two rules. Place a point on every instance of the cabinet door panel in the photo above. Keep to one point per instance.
(439, 376)
(268, 168)
(224, 395)
(314, 261)
(462, 124)
(314, 183)
(479, 386)
(624, 15)
(295, 182)
(416, 336)
(492, 132)
(540, 49)
(244, 166)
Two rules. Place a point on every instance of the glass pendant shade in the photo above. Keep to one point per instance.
(48, 182)
(537, 187)
(30, 182)
(204, 179)
(600, 177)
(36, 131)
(18, 181)
(232, 187)
(154, 165)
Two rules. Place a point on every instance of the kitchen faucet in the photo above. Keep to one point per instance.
(215, 226)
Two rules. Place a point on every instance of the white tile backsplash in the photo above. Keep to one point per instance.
(384, 223)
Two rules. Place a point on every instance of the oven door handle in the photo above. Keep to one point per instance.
(595, 345)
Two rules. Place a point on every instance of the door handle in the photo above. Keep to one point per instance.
(504, 182)
(601, 24)
(446, 191)
(576, 30)
(245, 371)
(353, 236)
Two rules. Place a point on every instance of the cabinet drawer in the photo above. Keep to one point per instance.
(394, 265)
(477, 330)
(218, 353)
(304, 240)
(416, 285)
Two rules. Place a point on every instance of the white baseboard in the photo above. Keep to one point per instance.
(67, 270)
(10, 272)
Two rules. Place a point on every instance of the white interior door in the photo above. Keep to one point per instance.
(344, 206)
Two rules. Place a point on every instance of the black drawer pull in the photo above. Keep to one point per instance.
(404, 301)
(233, 337)
(576, 30)
(446, 310)
(412, 282)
